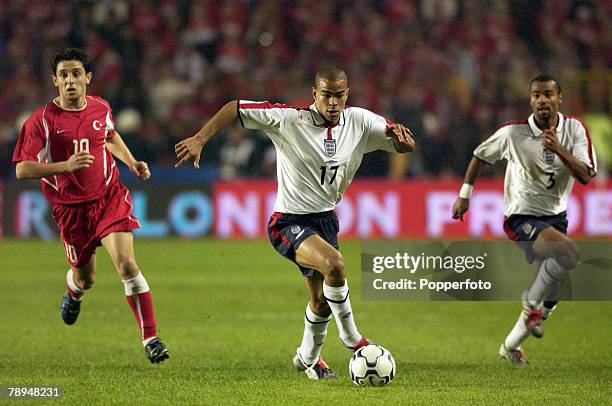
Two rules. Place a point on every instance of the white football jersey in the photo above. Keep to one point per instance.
(537, 182)
(315, 164)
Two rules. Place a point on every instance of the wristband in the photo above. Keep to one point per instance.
(466, 191)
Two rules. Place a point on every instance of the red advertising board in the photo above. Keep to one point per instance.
(370, 209)
(406, 209)
(1, 209)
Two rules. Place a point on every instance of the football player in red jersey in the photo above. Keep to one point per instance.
(69, 144)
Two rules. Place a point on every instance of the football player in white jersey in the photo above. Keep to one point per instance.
(544, 154)
(318, 149)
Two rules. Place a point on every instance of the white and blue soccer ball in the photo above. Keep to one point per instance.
(372, 365)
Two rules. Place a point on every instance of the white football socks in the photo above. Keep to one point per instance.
(135, 285)
(550, 274)
(547, 285)
(518, 334)
(340, 304)
(315, 330)
(148, 340)
(78, 292)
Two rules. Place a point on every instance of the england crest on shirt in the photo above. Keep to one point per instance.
(329, 146)
(549, 156)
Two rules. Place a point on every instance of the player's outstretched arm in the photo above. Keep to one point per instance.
(462, 204)
(192, 147)
(402, 137)
(117, 147)
(37, 170)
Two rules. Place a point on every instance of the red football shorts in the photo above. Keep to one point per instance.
(82, 226)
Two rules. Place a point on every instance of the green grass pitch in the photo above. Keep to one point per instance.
(231, 315)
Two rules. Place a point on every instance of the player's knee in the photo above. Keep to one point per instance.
(570, 256)
(127, 267)
(334, 266)
(321, 308)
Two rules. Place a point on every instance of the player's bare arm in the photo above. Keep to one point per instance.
(37, 170)
(117, 147)
(192, 147)
(402, 137)
(577, 169)
(462, 204)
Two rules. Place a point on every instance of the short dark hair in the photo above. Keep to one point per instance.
(70, 54)
(544, 77)
(331, 73)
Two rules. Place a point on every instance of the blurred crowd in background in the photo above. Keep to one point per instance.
(450, 70)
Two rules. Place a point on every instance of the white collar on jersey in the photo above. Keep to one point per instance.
(318, 119)
(536, 130)
(56, 102)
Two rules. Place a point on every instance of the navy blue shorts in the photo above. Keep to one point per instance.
(287, 231)
(525, 229)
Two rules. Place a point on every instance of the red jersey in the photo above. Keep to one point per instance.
(53, 134)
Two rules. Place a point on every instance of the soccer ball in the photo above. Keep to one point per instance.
(372, 365)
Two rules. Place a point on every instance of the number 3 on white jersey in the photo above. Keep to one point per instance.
(81, 145)
(551, 180)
